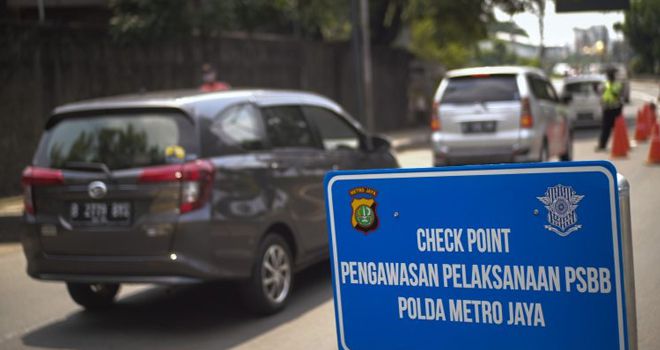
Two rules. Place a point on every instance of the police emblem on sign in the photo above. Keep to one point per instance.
(363, 205)
(561, 202)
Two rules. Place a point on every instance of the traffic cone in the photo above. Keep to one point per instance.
(641, 127)
(654, 150)
(620, 144)
(625, 132)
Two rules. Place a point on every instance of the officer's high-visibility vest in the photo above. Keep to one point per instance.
(612, 95)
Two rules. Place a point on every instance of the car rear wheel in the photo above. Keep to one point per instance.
(568, 155)
(93, 296)
(269, 287)
(545, 154)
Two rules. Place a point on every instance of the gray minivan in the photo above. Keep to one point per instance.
(497, 115)
(184, 187)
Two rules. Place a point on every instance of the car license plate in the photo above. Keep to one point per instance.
(479, 127)
(100, 212)
(585, 116)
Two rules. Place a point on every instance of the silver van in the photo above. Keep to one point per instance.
(497, 115)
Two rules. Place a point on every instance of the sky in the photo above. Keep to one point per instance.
(559, 27)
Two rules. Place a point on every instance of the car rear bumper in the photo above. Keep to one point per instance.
(173, 269)
(192, 259)
(490, 156)
(512, 149)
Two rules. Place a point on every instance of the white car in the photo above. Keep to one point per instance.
(584, 93)
(498, 115)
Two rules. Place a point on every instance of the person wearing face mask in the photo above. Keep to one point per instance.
(209, 80)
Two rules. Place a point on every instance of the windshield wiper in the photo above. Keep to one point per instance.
(89, 166)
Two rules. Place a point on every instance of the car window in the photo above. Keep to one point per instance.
(120, 141)
(235, 129)
(481, 88)
(334, 131)
(286, 127)
(585, 88)
(550, 90)
(539, 88)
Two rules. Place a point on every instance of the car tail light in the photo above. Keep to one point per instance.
(526, 119)
(196, 181)
(36, 176)
(197, 184)
(435, 117)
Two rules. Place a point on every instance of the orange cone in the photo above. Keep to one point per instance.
(641, 127)
(625, 132)
(654, 150)
(620, 144)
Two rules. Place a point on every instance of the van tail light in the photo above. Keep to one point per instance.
(35, 177)
(196, 181)
(197, 185)
(526, 119)
(435, 117)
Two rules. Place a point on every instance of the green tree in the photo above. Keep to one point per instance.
(642, 30)
(441, 30)
(142, 20)
(447, 31)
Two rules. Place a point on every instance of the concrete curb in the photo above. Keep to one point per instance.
(409, 140)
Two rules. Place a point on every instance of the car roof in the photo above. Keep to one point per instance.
(188, 99)
(493, 70)
(584, 78)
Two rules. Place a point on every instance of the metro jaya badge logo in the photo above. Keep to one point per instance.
(363, 205)
(561, 202)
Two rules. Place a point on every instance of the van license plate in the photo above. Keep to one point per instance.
(479, 127)
(100, 212)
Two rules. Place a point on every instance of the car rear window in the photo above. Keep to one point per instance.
(119, 141)
(582, 87)
(486, 88)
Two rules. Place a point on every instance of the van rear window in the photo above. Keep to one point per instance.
(487, 88)
(119, 141)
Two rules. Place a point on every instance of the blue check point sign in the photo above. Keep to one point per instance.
(498, 257)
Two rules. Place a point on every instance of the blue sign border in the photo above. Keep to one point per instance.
(603, 167)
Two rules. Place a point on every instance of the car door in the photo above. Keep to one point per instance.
(544, 108)
(340, 141)
(235, 142)
(558, 124)
(345, 145)
(298, 167)
(594, 100)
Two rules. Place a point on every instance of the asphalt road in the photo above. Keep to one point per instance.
(38, 315)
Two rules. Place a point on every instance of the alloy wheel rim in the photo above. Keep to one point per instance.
(276, 274)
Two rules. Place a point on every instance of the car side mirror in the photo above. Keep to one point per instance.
(379, 143)
(566, 99)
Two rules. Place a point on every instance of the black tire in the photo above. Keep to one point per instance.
(93, 296)
(545, 155)
(568, 156)
(260, 297)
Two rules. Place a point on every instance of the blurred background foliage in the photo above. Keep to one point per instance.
(444, 31)
(642, 31)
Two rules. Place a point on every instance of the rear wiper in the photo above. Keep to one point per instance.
(89, 166)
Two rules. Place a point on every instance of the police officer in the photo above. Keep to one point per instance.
(612, 107)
